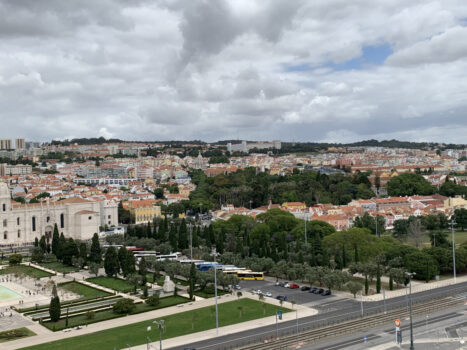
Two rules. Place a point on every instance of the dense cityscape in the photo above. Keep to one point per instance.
(233, 174)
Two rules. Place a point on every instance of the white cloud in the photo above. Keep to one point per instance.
(173, 69)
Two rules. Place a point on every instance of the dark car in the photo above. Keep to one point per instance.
(313, 289)
(282, 297)
(326, 292)
(319, 291)
(305, 288)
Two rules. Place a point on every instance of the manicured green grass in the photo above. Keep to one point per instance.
(59, 267)
(113, 283)
(86, 292)
(209, 293)
(14, 334)
(25, 270)
(175, 325)
(81, 320)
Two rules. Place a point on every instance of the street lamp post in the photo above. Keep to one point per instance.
(215, 295)
(305, 230)
(453, 250)
(160, 325)
(410, 275)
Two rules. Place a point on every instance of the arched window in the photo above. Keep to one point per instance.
(4, 207)
(48, 219)
(33, 224)
(62, 220)
(5, 223)
(18, 221)
(19, 233)
(5, 235)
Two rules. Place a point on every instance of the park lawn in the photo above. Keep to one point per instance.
(86, 292)
(113, 283)
(209, 294)
(14, 334)
(59, 267)
(81, 320)
(25, 270)
(175, 325)
(459, 236)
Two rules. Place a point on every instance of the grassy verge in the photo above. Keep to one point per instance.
(209, 293)
(59, 267)
(175, 325)
(80, 320)
(25, 270)
(85, 292)
(113, 283)
(14, 334)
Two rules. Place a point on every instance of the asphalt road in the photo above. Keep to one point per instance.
(332, 311)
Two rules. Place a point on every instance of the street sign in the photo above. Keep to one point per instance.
(398, 336)
(397, 322)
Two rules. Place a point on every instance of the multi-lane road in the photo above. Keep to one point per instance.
(331, 311)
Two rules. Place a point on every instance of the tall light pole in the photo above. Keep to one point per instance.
(453, 249)
(191, 242)
(410, 275)
(215, 294)
(160, 325)
(376, 220)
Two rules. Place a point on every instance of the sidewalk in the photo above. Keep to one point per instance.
(122, 321)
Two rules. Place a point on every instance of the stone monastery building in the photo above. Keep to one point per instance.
(77, 218)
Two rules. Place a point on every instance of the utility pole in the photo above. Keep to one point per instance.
(453, 250)
(376, 221)
(361, 302)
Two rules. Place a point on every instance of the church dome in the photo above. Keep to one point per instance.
(4, 190)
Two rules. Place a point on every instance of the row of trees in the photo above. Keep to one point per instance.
(409, 184)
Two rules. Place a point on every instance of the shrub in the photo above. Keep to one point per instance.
(124, 306)
(15, 259)
(153, 300)
(90, 315)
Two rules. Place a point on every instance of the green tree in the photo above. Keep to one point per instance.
(69, 251)
(111, 265)
(354, 287)
(55, 241)
(54, 309)
(192, 280)
(61, 246)
(422, 264)
(460, 217)
(15, 259)
(124, 306)
(409, 184)
(96, 253)
(153, 300)
(94, 268)
(43, 245)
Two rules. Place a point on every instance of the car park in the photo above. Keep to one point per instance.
(326, 292)
(268, 294)
(319, 291)
(287, 285)
(313, 289)
(281, 297)
(305, 288)
(294, 286)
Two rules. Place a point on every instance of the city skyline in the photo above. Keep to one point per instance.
(325, 72)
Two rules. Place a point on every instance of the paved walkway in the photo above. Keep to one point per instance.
(52, 336)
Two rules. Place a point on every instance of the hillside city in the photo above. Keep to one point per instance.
(111, 228)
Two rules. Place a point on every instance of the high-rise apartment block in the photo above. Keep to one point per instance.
(5, 144)
(20, 144)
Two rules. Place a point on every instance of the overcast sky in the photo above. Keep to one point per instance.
(324, 70)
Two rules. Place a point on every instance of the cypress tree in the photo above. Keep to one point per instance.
(182, 236)
(173, 237)
(36, 242)
(111, 262)
(356, 254)
(391, 282)
(192, 280)
(43, 245)
(122, 259)
(195, 235)
(378, 279)
(344, 258)
(55, 240)
(61, 246)
(54, 309)
(96, 253)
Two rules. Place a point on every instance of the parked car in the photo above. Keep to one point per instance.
(278, 283)
(237, 286)
(313, 289)
(305, 288)
(294, 286)
(326, 292)
(319, 291)
(268, 294)
(287, 285)
(282, 297)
